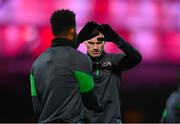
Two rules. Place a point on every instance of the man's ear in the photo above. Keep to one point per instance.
(72, 30)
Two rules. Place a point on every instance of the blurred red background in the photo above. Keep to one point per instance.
(151, 26)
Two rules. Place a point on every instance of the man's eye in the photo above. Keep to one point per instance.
(90, 43)
(99, 42)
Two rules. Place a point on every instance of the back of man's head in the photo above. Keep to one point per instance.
(62, 21)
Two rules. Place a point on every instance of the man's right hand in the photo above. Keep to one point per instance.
(87, 32)
(108, 32)
(110, 35)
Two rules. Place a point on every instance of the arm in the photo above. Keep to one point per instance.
(35, 100)
(131, 58)
(86, 86)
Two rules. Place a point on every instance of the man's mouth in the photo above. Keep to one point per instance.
(95, 52)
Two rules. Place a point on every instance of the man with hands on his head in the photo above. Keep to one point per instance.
(107, 69)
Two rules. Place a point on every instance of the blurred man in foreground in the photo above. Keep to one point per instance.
(61, 77)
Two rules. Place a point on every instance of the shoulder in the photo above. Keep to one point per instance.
(79, 54)
(114, 56)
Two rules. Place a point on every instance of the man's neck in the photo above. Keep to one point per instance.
(63, 42)
(69, 37)
(96, 58)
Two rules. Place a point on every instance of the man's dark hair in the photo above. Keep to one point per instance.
(62, 21)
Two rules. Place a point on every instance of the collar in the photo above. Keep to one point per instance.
(63, 42)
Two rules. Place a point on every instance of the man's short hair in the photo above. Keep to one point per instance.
(62, 21)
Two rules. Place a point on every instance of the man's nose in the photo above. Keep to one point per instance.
(95, 46)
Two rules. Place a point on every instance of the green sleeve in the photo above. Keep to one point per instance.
(85, 81)
(33, 88)
(164, 114)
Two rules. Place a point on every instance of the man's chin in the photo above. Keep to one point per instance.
(95, 56)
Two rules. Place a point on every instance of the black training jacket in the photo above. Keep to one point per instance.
(107, 71)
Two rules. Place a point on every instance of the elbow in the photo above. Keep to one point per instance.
(138, 58)
(135, 61)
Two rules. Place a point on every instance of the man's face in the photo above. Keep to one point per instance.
(95, 47)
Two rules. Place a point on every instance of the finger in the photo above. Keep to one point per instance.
(102, 39)
(102, 29)
(95, 34)
(92, 35)
(105, 25)
(92, 23)
(99, 28)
